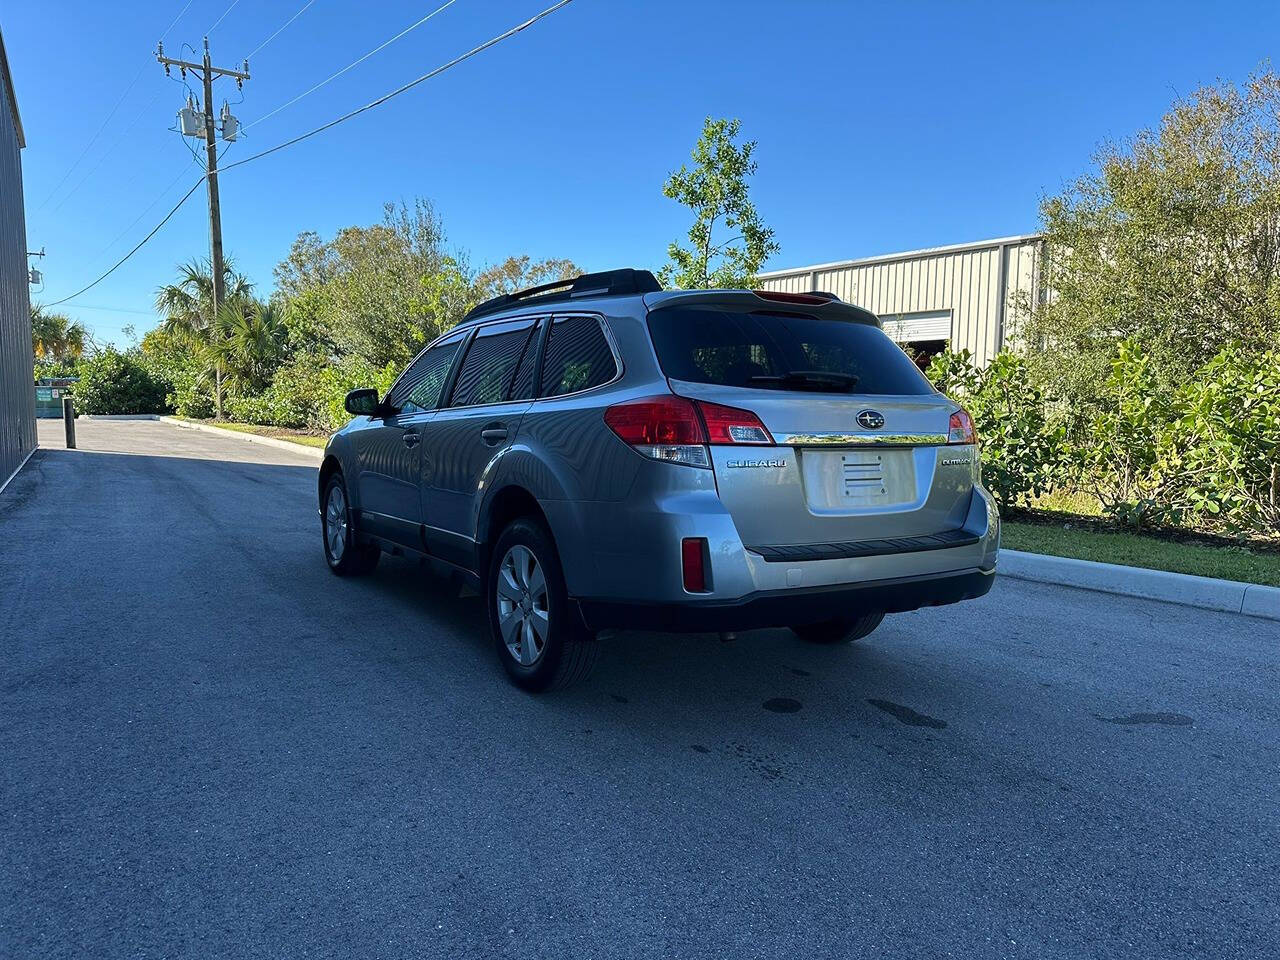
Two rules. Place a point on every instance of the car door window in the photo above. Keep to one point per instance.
(577, 357)
(418, 388)
(489, 366)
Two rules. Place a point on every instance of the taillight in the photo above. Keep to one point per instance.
(729, 425)
(664, 419)
(961, 428)
(678, 429)
(692, 552)
(663, 428)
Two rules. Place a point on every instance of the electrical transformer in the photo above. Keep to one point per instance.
(191, 121)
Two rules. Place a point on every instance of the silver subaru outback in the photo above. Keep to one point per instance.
(600, 454)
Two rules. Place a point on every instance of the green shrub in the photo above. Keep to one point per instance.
(350, 375)
(1219, 450)
(55, 369)
(307, 393)
(1205, 454)
(297, 397)
(1118, 455)
(175, 360)
(191, 395)
(1023, 453)
(115, 382)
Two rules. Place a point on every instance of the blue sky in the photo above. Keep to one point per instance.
(881, 127)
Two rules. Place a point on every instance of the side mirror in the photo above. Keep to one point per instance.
(362, 402)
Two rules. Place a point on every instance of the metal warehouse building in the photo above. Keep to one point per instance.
(17, 396)
(964, 295)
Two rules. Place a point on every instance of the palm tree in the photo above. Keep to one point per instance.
(251, 341)
(187, 309)
(55, 336)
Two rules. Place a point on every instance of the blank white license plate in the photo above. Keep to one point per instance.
(844, 480)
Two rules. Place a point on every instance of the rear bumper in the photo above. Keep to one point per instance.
(780, 608)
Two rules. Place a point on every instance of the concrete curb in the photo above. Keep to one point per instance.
(114, 416)
(314, 453)
(1207, 593)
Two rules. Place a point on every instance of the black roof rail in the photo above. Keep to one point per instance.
(607, 283)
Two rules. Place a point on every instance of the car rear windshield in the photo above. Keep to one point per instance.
(781, 351)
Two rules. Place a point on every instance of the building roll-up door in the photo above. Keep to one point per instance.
(918, 327)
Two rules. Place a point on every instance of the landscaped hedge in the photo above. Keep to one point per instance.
(115, 382)
(1205, 455)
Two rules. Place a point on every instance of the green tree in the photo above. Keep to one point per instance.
(378, 293)
(1171, 242)
(520, 273)
(187, 310)
(55, 337)
(716, 190)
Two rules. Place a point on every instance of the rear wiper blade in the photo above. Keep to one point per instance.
(812, 379)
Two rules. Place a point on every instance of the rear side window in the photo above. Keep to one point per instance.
(577, 357)
(419, 387)
(523, 387)
(490, 364)
(781, 351)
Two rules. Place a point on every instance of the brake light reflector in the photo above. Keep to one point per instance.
(778, 296)
(692, 551)
(962, 428)
(729, 425)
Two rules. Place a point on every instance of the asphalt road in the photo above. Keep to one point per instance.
(211, 747)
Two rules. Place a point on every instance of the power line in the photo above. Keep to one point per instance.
(221, 18)
(106, 152)
(175, 20)
(147, 209)
(332, 123)
(111, 113)
(92, 140)
(353, 63)
(281, 29)
(120, 262)
(401, 89)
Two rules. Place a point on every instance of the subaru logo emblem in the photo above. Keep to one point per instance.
(871, 419)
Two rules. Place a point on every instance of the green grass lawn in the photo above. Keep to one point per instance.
(1135, 550)
(279, 433)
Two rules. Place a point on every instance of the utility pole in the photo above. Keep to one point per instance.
(188, 120)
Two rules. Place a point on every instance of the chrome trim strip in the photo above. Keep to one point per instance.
(861, 439)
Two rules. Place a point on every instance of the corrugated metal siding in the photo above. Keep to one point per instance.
(17, 394)
(966, 281)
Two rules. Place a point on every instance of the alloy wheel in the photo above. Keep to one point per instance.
(523, 616)
(335, 523)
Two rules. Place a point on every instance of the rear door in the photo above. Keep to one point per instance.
(465, 439)
(859, 434)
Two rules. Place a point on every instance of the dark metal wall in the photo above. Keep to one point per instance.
(17, 396)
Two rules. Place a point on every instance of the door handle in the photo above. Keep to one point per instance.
(410, 438)
(493, 435)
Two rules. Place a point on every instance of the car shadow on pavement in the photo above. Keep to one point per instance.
(769, 672)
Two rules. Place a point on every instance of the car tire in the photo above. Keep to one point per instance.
(345, 555)
(839, 631)
(540, 639)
